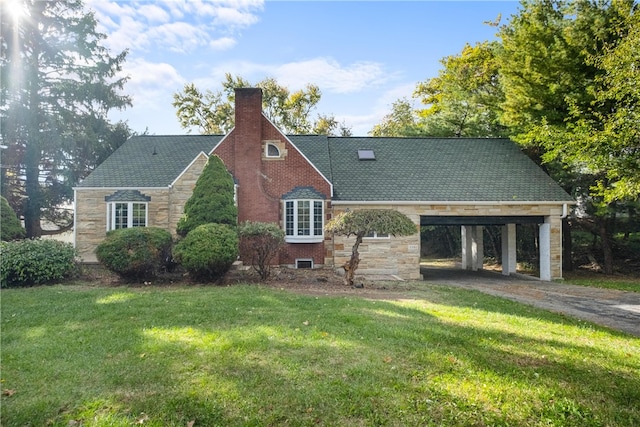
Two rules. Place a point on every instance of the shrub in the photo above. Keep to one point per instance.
(135, 253)
(35, 262)
(10, 226)
(212, 199)
(260, 243)
(208, 251)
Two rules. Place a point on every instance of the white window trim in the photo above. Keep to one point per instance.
(311, 238)
(266, 150)
(111, 214)
(376, 237)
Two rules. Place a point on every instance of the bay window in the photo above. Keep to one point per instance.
(303, 221)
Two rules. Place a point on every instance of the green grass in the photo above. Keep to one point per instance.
(246, 355)
(622, 283)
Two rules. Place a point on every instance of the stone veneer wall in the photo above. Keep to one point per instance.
(401, 256)
(164, 209)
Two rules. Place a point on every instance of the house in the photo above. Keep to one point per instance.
(301, 181)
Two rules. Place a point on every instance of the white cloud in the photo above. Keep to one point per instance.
(333, 76)
(178, 36)
(327, 73)
(235, 17)
(178, 26)
(154, 13)
(222, 43)
(151, 83)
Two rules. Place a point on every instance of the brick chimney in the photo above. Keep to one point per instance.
(247, 147)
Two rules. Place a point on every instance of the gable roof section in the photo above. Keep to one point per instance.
(438, 169)
(316, 149)
(149, 161)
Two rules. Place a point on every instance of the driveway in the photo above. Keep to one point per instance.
(616, 309)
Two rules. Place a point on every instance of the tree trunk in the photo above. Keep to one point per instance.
(567, 246)
(351, 266)
(604, 230)
(495, 247)
(33, 151)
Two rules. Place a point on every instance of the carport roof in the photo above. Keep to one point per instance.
(437, 169)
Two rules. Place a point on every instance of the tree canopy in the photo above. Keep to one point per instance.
(562, 81)
(58, 84)
(213, 112)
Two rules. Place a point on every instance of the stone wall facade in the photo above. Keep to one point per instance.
(164, 209)
(401, 256)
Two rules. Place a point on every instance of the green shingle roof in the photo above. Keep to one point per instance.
(316, 149)
(149, 161)
(404, 169)
(438, 169)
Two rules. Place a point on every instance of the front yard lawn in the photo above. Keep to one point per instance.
(248, 355)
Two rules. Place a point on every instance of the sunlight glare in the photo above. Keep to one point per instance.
(15, 8)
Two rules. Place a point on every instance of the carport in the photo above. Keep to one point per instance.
(471, 233)
(467, 182)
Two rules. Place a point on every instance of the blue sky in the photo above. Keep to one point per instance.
(363, 55)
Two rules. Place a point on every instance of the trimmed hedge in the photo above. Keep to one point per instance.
(208, 251)
(35, 262)
(137, 252)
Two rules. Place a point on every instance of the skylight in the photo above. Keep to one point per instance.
(366, 154)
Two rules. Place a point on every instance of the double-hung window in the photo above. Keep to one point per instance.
(303, 220)
(126, 209)
(126, 215)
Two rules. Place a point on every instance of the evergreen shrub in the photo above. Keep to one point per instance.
(10, 226)
(208, 251)
(212, 199)
(136, 253)
(35, 262)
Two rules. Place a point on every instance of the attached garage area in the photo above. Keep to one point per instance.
(470, 182)
(472, 239)
(401, 256)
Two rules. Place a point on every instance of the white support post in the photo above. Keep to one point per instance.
(509, 262)
(466, 239)
(478, 247)
(545, 249)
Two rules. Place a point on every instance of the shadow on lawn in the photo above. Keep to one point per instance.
(251, 356)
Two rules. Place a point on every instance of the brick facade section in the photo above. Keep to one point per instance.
(263, 181)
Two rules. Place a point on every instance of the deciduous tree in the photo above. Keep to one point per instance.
(569, 75)
(213, 112)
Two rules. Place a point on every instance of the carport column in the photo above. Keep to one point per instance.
(478, 247)
(467, 251)
(545, 249)
(472, 247)
(509, 262)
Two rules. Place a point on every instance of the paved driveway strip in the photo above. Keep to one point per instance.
(616, 309)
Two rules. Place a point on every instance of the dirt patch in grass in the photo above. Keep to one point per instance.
(320, 281)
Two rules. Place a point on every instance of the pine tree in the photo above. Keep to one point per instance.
(212, 200)
(58, 84)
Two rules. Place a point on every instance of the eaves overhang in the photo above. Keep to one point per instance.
(454, 203)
